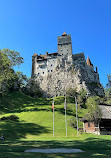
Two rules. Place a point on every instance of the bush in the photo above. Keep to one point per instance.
(73, 122)
(11, 117)
(59, 100)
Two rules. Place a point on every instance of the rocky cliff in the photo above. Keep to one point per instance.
(77, 74)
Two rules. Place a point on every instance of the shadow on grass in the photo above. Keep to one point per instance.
(18, 101)
(62, 111)
(31, 109)
(18, 130)
(92, 146)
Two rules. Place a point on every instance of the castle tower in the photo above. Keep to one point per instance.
(65, 47)
(34, 65)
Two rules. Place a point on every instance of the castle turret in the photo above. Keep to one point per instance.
(65, 46)
(34, 65)
(88, 61)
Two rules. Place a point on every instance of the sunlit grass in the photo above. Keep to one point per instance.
(34, 129)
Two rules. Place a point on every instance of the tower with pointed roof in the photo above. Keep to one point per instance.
(65, 46)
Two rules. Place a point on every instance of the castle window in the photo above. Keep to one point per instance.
(51, 64)
(51, 70)
(48, 70)
(38, 73)
(43, 72)
(62, 54)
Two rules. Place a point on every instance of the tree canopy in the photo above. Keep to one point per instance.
(94, 112)
(108, 88)
(8, 59)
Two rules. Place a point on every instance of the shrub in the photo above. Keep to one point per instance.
(73, 122)
(59, 100)
(11, 117)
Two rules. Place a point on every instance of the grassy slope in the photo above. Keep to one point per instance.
(34, 129)
(36, 117)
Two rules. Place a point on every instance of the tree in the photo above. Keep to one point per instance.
(82, 97)
(71, 94)
(13, 56)
(108, 88)
(33, 89)
(21, 80)
(109, 81)
(94, 112)
(8, 59)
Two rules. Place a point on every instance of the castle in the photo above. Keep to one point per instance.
(57, 72)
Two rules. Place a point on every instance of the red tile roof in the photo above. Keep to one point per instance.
(64, 34)
(35, 54)
(88, 61)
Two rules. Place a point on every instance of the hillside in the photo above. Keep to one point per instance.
(36, 117)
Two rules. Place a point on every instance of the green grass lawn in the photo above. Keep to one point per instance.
(34, 129)
(92, 146)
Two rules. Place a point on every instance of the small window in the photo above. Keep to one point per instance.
(51, 70)
(62, 54)
(43, 72)
(48, 70)
(51, 64)
(88, 124)
(38, 73)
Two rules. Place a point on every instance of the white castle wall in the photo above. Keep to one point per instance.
(45, 67)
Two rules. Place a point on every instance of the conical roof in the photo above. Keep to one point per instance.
(88, 61)
(64, 34)
(35, 54)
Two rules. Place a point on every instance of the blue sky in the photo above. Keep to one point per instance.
(30, 26)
